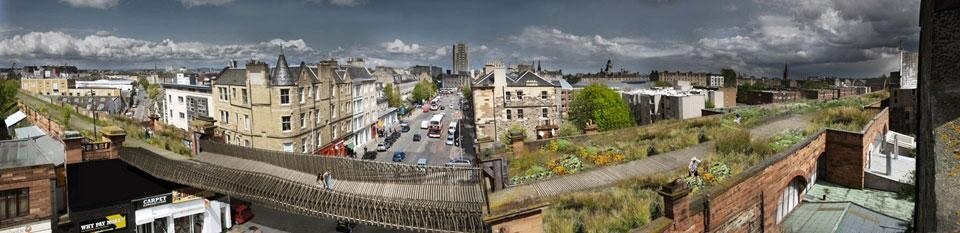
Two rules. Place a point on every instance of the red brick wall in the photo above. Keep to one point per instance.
(750, 204)
(38, 180)
(48, 125)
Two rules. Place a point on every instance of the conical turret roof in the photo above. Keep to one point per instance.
(281, 74)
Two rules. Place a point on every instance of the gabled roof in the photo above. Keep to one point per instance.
(484, 80)
(527, 78)
(359, 73)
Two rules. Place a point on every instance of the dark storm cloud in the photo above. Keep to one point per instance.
(838, 37)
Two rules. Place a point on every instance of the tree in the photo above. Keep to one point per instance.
(568, 129)
(67, 112)
(142, 81)
(467, 92)
(424, 90)
(729, 77)
(8, 102)
(393, 98)
(8, 97)
(602, 105)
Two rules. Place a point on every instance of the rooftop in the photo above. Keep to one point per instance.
(888, 203)
(839, 217)
(665, 91)
(33, 151)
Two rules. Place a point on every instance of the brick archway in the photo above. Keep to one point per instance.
(790, 196)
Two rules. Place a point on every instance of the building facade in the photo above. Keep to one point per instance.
(523, 100)
(460, 59)
(28, 179)
(63, 86)
(364, 104)
(771, 97)
(650, 105)
(698, 79)
(184, 102)
(302, 109)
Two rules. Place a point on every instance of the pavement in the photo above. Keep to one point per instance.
(611, 175)
(435, 150)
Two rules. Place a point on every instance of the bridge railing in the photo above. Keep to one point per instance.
(306, 199)
(349, 168)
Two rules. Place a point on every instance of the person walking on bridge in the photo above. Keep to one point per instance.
(327, 180)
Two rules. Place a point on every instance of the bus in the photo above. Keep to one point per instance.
(435, 126)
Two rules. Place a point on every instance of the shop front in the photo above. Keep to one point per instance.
(183, 211)
(337, 148)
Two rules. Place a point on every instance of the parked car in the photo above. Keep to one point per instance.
(422, 162)
(381, 147)
(404, 124)
(424, 124)
(449, 139)
(442, 108)
(405, 129)
(241, 211)
(459, 163)
(416, 137)
(399, 156)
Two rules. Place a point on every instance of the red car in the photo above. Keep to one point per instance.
(241, 212)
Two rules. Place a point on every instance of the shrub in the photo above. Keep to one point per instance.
(735, 140)
(844, 118)
(569, 129)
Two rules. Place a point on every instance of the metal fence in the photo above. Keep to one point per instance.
(349, 168)
(309, 200)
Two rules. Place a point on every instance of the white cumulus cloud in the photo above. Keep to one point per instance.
(110, 48)
(193, 3)
(99, 4)
(398, 46)
(595, 45)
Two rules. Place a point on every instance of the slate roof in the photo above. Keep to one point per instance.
(839, 217)
(359, 74)
(110, 104)
(281, 75)
(233, 77)
(32, 151)
(525, 79)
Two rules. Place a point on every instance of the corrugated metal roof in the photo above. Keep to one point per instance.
(839, 217)
(14, 118)
(33, 151)
(29, 132)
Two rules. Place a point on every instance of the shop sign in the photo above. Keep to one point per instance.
(189, 194)
(153, 201)
(108, 223)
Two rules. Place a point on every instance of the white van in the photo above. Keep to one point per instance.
(424, 124)
(453, 127)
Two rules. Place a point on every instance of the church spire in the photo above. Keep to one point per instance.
(538, 66)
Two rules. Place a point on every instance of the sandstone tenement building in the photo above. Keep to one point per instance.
(527, 100)
(302, 109)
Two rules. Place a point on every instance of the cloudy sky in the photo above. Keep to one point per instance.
(816, 37)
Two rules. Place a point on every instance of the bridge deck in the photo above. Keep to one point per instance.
(297, 192)
(455, 193)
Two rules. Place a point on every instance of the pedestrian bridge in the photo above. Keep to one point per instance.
(390, 195)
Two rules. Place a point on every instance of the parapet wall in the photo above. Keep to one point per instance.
(748, 202)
